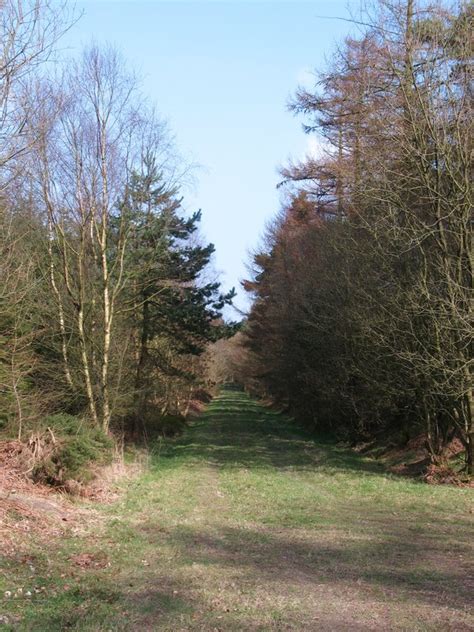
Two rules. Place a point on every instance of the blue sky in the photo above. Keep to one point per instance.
(221, 72)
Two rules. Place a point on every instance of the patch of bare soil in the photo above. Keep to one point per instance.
(17, 492)
(33, 510)
(90, 560)
(29, 511)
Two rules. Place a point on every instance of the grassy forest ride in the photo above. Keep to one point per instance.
(247, 523)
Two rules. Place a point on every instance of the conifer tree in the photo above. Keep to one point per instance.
(172, 307)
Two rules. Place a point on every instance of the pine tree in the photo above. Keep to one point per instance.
(171, 307)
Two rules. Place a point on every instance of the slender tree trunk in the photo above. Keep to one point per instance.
(108, 303)
(470, 431)
(85, 366)
(62, 322)
(106, 413)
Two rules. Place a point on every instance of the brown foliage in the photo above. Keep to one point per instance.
(362, 317)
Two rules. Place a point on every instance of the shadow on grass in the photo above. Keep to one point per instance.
(282, 563)
(377, 559)
(283, 558)
(236, 431)
(112, 605)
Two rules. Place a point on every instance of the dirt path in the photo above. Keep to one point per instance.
(246, 524)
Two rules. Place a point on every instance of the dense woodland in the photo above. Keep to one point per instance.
(361, 318)
(107, 300)
(361, 323)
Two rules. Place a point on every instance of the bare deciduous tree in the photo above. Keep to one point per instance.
(30, 30)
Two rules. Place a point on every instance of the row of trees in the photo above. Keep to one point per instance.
(105, 302)
(362, 314)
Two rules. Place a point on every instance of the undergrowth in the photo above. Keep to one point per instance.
(74, 444)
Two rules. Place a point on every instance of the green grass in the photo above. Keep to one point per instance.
(247, 523)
